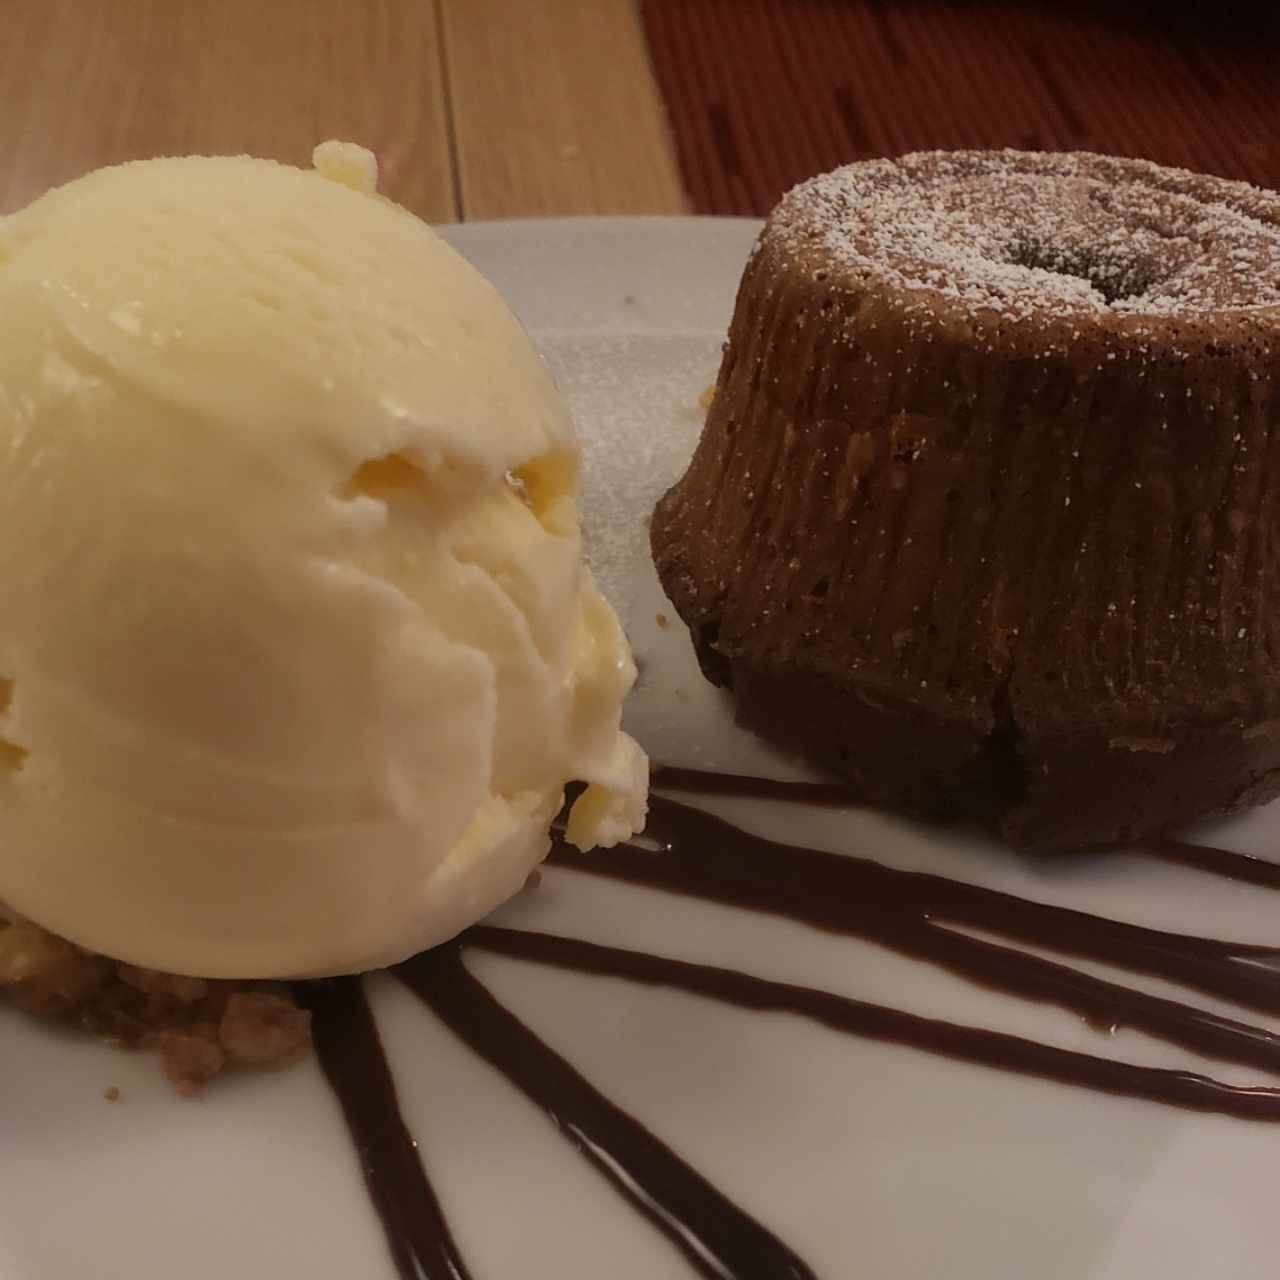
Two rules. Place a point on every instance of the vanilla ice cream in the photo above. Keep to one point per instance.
(297, 651)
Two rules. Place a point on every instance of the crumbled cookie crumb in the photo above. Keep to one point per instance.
(44, 975)
(199, 1026)
(191, 1057)
(264, 1028)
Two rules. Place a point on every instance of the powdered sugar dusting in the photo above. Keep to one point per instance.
(635, 399)
(1025, 233)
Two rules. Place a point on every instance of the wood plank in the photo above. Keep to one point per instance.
(556, 110)
(91, 82)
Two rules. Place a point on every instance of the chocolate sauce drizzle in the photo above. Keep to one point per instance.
(717, 1237)
(352, 1058)
(711, 782)
(877, 1022)
(917, 914)
(1245, 867)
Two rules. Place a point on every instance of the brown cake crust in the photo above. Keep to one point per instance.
(985, 512)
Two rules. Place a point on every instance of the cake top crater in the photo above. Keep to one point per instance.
(1054, 235)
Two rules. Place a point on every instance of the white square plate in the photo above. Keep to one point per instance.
(867, 1159)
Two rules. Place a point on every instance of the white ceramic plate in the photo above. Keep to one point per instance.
(868, 1160)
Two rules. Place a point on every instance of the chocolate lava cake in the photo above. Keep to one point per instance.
(986, 512)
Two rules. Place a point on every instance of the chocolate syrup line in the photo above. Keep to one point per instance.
(719, 1239)
(713, 859)
(1245, 867)
(872, 1021)
(711, 782)
(351, 1055)
(1106, 1005)
(710, 858)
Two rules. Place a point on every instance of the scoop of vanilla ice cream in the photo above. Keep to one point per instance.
(297, 651)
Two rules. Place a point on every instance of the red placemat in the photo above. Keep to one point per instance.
(764, 93)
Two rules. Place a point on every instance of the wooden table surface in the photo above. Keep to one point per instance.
(476, 108)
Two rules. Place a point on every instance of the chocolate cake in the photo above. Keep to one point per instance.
(986, 512)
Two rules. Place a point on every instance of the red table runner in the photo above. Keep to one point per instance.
(764, 93)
